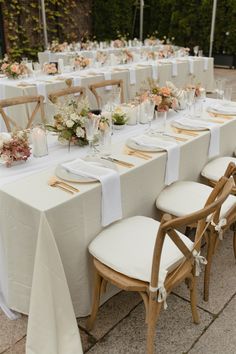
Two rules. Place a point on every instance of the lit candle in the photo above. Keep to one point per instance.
(39, 141)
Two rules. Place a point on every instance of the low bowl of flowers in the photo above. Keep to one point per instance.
(119, 119)
(14, 148)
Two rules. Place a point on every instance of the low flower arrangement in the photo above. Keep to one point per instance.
(199, 91)
(118, 43)
(69, 122)
(119, 117)
(50, 68)
(14, 147)
(14, 70)
(101, 57)
(104, 123)
(81, 62)
(127, 56)
(57, 47)
(164, 98)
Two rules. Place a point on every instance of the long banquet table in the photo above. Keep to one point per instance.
(74, 221)
(134, 76)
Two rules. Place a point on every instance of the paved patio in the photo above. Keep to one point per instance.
(120, 326)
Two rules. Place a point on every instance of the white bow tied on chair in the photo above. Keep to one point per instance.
(198, 261)
(219, 227)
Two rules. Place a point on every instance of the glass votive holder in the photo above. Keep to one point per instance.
(227, 95)
(105, 142)
(39, 141)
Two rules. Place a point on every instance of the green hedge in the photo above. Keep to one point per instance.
(189, 22)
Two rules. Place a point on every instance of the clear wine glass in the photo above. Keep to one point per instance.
(91, 127)
(196, 49)
(149, 113)
(190, 94)
(220, 85)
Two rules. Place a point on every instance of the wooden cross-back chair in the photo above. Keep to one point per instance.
(140, 254)
(75, 90)
(106, 83)
(182, 195)
(12, 124)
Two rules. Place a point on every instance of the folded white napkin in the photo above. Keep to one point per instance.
(77, 82)
(191, 66)
(107, 76)
(206, 61)
(214, 145)
(110, 181)
(154, 71)
(174, 68)
(224, 108)
(41, 89)
(132, 76)
(173, 154)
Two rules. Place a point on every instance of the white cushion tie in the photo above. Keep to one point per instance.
(219, 226)
(162, 294)
(198, 259)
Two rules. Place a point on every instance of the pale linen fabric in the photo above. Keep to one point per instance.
(41, 90)
(214, 144)
(89, 76)
(173, 155)
(111, 209)
(52, 326)
(75, 221)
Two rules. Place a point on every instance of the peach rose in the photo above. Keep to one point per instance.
(165, 91)
(15, 68)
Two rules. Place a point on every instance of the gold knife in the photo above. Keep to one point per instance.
(119, 162)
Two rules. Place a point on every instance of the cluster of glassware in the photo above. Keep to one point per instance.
(222, 90)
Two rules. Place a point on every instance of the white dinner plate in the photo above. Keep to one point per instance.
(212, 110)
(133, 145)
(175, 124)
(62, 173)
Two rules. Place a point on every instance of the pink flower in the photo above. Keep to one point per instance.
(165, 91)
(15, 68)
(174, 103)
(4, 66)
(157, 100)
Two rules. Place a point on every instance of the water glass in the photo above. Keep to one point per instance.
(91, 127)
(161, 119)
(220, 85)
(198, 108)
(227, 96)
(105, 142)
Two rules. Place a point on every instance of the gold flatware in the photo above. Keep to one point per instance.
(119, 162)
(223, 116)
(138, 153)
(177, 138)
(185, 132)
(53, 181)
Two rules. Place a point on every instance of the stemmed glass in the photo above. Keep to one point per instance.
(149, 107)
(91, 127)
(220, 88)
(189, 101)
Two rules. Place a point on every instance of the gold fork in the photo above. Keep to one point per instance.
(54, 182)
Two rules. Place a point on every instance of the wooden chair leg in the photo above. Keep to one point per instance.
(193, 299)
(210, 252)
(234, 244)
(153, 315)
(96, 301)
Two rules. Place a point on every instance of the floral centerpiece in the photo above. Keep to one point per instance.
(164, 98)
(57, 47)
(69, 122)
(14, 147)
(118, 43)
(119, 118)
(50, 68)
(127, 56)
(101, 57)
(199, 91)
(81, 62)
(14, 70)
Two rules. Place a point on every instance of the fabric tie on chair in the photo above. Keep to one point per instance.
(174, 68)
(219, 226)
(198, 259)
(191, 66)
(110, 181)
(205, 64)
(162, 293)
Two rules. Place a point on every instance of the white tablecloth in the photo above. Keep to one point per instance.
(142, 72)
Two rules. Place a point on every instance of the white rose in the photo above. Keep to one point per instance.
(74, 117)
(80, 132)
(70, 123)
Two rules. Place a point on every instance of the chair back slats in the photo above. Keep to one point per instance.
(53, 96)
(12, 124)
(168, 225)
(93, 88)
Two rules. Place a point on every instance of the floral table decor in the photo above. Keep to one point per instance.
(69, 122)
(57, 47)
(50, 68)
(14, 70)
(14, 147)
(119, 118)
(81, 62)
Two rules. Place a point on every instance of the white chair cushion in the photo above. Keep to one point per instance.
(216, 168)
(185, 197)
(127, 247)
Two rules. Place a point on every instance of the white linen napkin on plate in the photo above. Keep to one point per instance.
(107, 76)
(224, 108)
(191, 66)
(110, 181)
(77, 82)
(174, 68)
(214, 145)
(132, 76)
(154, 71)
(205, 66)
(41, 89)
(173, 154)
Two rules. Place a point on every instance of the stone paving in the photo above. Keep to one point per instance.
(120, 326)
